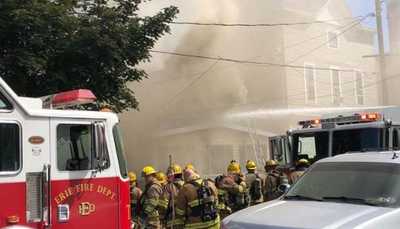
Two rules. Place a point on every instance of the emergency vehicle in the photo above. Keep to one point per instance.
(334, 134)
(60, 168)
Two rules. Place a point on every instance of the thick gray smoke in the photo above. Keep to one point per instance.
(187, 103)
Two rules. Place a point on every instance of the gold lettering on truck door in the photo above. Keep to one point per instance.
(86, 208)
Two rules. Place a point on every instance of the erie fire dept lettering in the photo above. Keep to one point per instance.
(81, 189)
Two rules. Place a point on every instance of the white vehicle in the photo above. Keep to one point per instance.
(60, 168)
(373, 130)
(343, 192)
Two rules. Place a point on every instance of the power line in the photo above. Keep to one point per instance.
(246, 61)
(191, 83)
(262, 24)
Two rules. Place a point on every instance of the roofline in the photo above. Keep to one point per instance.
(17, 101)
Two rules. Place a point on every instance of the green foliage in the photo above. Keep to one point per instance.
(48, 46)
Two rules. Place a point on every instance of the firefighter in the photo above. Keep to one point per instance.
(197, 202)
(254, 183)
(273, 180)
(149, 202)
(169, 196)
(235, 187)
(136, 193)
(301, 166)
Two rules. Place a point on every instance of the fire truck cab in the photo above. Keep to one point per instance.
(60, 168)
(334, 134)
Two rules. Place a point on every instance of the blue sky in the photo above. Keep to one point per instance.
(363, 7)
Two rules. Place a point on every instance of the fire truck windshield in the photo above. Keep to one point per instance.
(314, 146)
(366, 139)
(311, 146)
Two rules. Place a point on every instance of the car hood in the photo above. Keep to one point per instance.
(294, 214)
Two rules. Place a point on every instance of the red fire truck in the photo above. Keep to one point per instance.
(60, 168)
(371, 130)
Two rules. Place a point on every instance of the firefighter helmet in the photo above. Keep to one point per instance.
(132, 177)
(161, 177)
(233, 167)
(189, 166)
(251, 165)
(175, 169)
(303, 162)
(271, 163)
(148, 170)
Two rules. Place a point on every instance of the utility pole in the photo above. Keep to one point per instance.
(381, 47)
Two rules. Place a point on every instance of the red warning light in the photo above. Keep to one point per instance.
(373, 116)
(69, 98)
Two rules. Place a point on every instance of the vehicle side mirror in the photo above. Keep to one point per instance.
(284, 188)
(100, 148)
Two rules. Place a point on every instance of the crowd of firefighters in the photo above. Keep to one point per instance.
(181, 198)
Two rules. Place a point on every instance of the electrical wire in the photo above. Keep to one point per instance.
(331, 39)
(191, 83)
(261, 24)
(245, 61)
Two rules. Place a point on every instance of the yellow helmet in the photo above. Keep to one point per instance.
(303, 162)
(251, 165)
(148, 170)
(189, 166)
(175, 169)
(271, 163)
(233, 167)
(161, 177)
(132, 176)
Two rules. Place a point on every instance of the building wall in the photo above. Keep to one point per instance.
(307, 45)
(392, 78)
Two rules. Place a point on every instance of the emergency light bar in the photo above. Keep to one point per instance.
(68, 98)
(341, 120)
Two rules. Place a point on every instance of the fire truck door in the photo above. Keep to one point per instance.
(82, 196)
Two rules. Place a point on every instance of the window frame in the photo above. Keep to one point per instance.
(356, 95)
(328, 39)
(335, 68)
(21, 165)
(92, 164)
(308, 66)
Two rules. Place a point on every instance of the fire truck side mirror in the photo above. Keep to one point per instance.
(100, 146)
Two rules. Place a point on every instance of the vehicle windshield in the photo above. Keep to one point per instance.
(311, 146)
(355, 182)
(314, 146)
(119, 146)
(366, 139)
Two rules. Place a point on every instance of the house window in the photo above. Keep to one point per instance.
(359, 88)
(336, 88)
(333, 40)
(310, 83)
